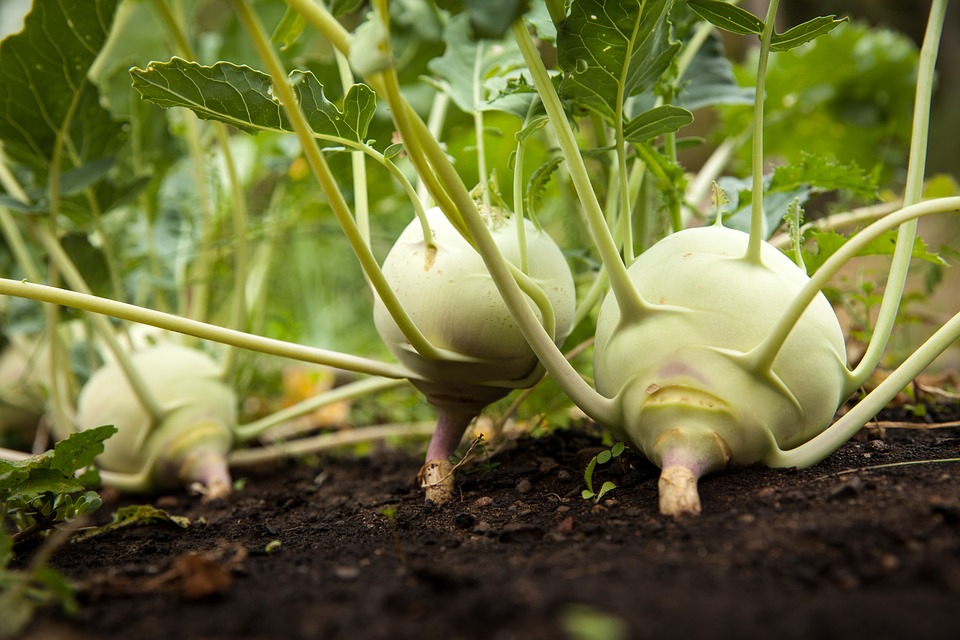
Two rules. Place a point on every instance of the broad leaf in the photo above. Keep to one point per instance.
(656, 122)
(244, 97)
(44, 87)
(611, 51)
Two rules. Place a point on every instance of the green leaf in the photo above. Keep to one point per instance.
(339, 7)
(828, 242)
(666, 118)
(44, 85)
(80, 449)
(606, 488)
(823, 173)
(289, 29)
(539, 179)
(611, 51)
(243, 97)
(804, 33)
(709, 80)
(727, 17)
(465, 78)
(604, 457)
(617, 449)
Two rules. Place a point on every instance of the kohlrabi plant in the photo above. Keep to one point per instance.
(713, 347)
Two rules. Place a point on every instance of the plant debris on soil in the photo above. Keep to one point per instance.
(859, 546)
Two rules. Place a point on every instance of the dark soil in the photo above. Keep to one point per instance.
(847, 549)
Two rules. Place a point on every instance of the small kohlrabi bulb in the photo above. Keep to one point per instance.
(189, 445)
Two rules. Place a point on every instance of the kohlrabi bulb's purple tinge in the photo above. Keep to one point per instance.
(695, 391)
(445, 287)
(188, 446)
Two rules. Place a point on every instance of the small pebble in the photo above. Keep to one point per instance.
(483, 528)
(483, 501)
(877, 445)
(548, 465)
(563, 475)
(524, 486)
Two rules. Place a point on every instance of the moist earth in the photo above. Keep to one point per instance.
(859, 546)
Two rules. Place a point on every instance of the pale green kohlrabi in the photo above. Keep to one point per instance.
(445, 287)
(695, 391)
(190, 443)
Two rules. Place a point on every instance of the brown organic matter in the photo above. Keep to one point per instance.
(849, 549)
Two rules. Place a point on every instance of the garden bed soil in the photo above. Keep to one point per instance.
(346, 548)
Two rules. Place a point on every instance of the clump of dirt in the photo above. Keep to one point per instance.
(860, 546)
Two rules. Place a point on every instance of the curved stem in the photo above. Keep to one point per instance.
(764, 353)
(202, 330)
(907, 234)
(815, 450)
(349, 391)
(325, 442)
(328, 183)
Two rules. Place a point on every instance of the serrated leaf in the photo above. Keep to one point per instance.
(804, 33)
(44, 85)
(727, 16)
(666, 118)
(244, 98)
(81, 448)
(829, 242)
(823, 173)
(539, 179)
(611, 51)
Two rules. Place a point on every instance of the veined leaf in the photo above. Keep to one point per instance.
(829, 242)
(655, 122)
(611, 51)
(727, 16)
(44, 85)
(244, 97)
(804, 33)
(740, 21)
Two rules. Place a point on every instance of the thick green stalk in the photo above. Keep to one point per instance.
(756, 212)
(912, 194)
(201, 330)
(631, 305)
(361, 201)
(328, 183)
(479, 132)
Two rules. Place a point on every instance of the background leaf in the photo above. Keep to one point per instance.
(43, 81)
(244, 97)
(611, 51)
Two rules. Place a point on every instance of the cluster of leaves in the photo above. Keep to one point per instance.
(603, 457)
(37, 495)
